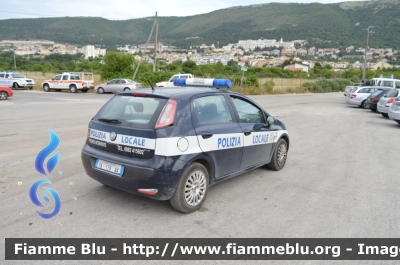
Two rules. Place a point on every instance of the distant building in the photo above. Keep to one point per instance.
(91, 51)
(297, 67)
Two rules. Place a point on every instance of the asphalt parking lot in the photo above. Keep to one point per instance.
(340, 179)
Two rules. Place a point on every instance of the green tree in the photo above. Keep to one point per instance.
(189, 66)
(117, 64)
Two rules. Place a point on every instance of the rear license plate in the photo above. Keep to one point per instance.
(109, 167)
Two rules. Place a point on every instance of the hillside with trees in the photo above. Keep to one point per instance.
(326, 25)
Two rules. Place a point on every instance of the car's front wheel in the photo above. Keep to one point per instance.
(73, 89)
(127, 89)
(192, 189)
(15, 86)
(279, 157)
(100, 90)
(3, 95)
(384, 114)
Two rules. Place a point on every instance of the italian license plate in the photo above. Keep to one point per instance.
(109, 167)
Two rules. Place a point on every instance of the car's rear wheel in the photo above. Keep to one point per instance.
(100, 90)
(364, 104)
(372, 109)
(46, 88)
(192, 189)
(279, 157)
(3, 95)
(126, 89)
(384, 114)
(73, 89)
(15, 86)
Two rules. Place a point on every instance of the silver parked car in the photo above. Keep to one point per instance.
(117, 85)
(394, 111)
(359, 95)
(387, 100)
(349, 89)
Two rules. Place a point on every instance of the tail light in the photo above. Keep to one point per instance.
(167, 115)
(135, 94)
(391, 100)
(354, 95)
(373, 99)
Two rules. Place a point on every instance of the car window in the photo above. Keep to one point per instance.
(1, 75)
(376, 93)
(134, 112)
(113, 81)
(364, 90)
(17, 76)
(129, 81)
(392, 93)
(387, 83)
(121, 82)
(65, 77)
(211, 109)
(184, 76)
(57, 77)
(397, 84)
(8, 76)
(173, 78)
(248, 113)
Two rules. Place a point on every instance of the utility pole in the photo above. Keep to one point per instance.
(15, 63)
(155, 45)
(365, 53)
(148, 40)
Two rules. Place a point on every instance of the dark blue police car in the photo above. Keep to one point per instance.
(174, 143)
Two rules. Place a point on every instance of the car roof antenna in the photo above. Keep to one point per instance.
(152, 88)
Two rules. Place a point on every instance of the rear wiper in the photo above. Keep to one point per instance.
(110, 120)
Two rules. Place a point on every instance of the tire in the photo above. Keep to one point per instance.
(73, 89)
(30, 88)
(100, 90)
(3, 95)
(15, 86)
(192, 189)
(46, 88)
(126, 89)
(279, 157)
(398, 122)
(384, 114)
(372, 109)
(364, 104)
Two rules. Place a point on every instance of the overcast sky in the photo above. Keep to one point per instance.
(123, 9)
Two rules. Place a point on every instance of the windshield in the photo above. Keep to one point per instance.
(376, 93)
(17, 76)
(130, 111)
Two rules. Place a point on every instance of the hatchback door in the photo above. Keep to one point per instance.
(258, 139)
(219, 135)
(125, 126)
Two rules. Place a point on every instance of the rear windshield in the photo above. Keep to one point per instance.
(376, 93)
(392, 93)
(133, 112)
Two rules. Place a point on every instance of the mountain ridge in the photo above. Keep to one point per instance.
(340, 24)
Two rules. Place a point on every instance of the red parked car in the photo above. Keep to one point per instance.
(5, 92)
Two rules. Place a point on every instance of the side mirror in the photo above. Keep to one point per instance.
(270, 120)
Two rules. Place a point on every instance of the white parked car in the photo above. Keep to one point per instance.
(349, 89)
(386, 101)
(16, 80)
(359, 96)
(170, 82)
(394, 111)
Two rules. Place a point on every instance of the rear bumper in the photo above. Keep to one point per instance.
(383, 108)
(352, 101)
(147, 174)
(394, 115)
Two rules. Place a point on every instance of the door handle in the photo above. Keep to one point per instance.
(247, 132)
(206, 135)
